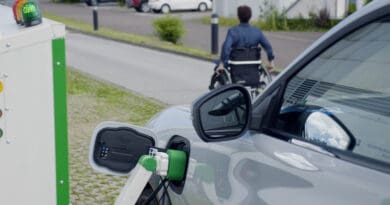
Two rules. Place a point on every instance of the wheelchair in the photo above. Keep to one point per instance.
(245, 68)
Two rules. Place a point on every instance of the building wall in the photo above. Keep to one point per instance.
(336, 8)
(228, 8)
(303, 8)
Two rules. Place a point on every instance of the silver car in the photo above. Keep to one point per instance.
(319, 134)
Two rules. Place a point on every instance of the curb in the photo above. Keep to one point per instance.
(142, 45)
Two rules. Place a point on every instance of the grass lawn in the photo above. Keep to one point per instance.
(89, 103)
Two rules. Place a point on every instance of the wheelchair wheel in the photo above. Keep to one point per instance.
(265, 78)
(219, 81)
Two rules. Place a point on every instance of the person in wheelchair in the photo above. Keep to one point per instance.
(242, 44)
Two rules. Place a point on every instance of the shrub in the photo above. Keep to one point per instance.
(121, 2)
(284, 23)
(323, 19)
(273, 21)
(169, 28)
(367, 1)
(351, 8)
(300, 24)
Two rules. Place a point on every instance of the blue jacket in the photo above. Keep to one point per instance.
(245, 36)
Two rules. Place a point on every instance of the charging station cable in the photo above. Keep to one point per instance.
(170, 165)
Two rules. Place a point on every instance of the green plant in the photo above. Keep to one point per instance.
(300, 24)
(367, 1)
(272, 19)
(121, 3)
(267, 17)
(323, 19)
(351, 9)
(169, 28)
(284, 23)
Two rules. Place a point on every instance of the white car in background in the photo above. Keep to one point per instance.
(166, 6)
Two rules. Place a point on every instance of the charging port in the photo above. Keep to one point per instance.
(182, 144)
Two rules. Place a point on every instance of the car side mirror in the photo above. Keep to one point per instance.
(116, 147)
(222, 114)
(327, 130)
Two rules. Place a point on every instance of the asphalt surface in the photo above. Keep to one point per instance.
(166, 77)
(287, 45)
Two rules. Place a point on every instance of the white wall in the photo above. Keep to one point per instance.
(360, 4)
(336, 8)
(228, 8)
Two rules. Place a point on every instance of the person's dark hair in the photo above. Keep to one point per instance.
(244, 13)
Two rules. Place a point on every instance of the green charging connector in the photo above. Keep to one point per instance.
(177, 164)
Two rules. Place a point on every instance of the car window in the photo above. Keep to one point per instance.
(349, 82)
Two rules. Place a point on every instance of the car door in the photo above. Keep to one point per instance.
(326, 139)
(179, 4)
(318, 134)
(192, 4)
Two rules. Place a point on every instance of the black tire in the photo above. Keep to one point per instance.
(202, 7)
(219, 81)
(265, 78)
(165, 9)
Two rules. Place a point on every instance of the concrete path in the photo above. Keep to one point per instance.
(169, 78)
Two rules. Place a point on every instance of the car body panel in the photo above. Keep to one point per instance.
(179, 4)
(256, 169)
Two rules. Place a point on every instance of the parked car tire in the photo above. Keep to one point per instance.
(165, 9)
(202, 7)
(144, 7)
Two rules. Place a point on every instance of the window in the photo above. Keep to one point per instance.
(350, 82)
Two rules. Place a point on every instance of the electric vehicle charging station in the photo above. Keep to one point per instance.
(33, 116)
